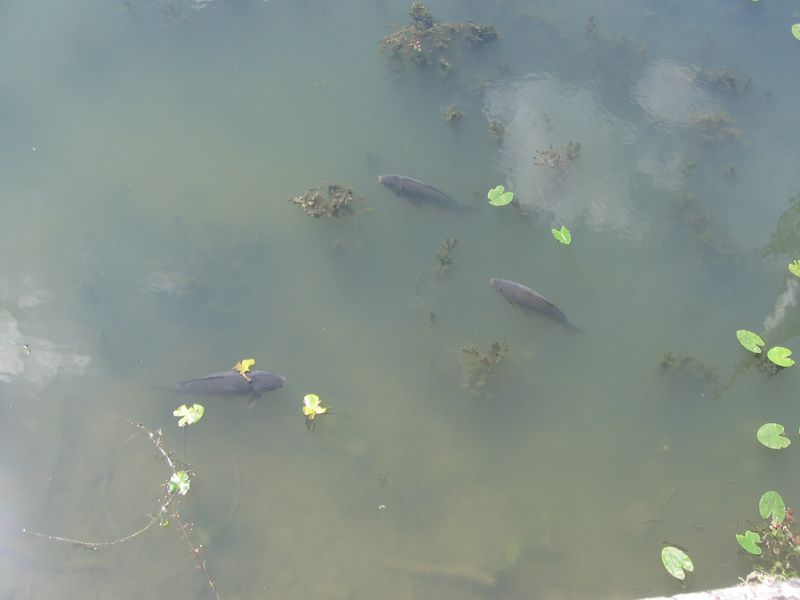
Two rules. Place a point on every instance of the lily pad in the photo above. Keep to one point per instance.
(780, 356)
(771, 505)
(243, 366)
(312, 407)
(676, 562)
(179, 482)
(750, 341)
(562, 235)
(749, 541)
(189, 415)
(499, 197)
(794, 267)
(796, 30)
(771, 435)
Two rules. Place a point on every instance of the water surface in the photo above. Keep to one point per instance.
(149, 153)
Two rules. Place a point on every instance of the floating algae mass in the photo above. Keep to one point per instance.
(426, 42)
(332, 200)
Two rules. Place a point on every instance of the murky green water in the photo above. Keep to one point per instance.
(148, 154)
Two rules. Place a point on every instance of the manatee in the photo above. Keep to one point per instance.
(522, 295)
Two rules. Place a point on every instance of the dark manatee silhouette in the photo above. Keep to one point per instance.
(523, 296)
(232, 383)
(417, 191)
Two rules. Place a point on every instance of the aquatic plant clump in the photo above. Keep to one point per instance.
(444, 256)
(453, 114)
(686, 363)
(786, 238)
(724, 81)
(336, 200)
(425, 42)
(497, 131)
(716, 127)
(779, 542)
(479, 369)
(550, 157)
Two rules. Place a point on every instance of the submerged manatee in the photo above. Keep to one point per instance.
(522, 295)
(417, 191)
(232, 383)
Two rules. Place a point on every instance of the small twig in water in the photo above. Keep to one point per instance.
(167, 509)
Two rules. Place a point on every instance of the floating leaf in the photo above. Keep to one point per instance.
(771, 504)
(750, 341)
(562, 235)
(312, 407)
(771, 435)
(780, 356)
(189, 415)
(243, 366)
(179, 482)
(499, 197)
(796, 30)
(676, 561)
(794, 267)
(749, 541)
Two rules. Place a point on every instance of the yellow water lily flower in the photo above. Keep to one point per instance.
(312, 407)
(243, 366)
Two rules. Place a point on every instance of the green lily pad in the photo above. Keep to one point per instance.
(562, 235)
(676, 562)
(771, 435)
(796, 30)
(179, 482)
(780, 356)
(189, 415)
(749, 340)
(794, 267)
(771, 505)
(749, 541)
(499, 197)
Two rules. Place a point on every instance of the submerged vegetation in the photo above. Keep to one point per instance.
(724, 81)
(550, 157)
(699, 222)
(425, 42)
(686, 363)
(480, 369)
(786, 238)
(336, 200)
(444, 256)
(716, 127)
(497, 131)
(453, 114)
